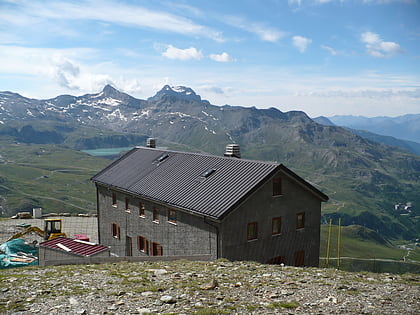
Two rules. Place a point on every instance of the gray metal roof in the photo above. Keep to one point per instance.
(177, 180)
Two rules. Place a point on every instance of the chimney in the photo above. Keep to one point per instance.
(151, 143)
(233, 150)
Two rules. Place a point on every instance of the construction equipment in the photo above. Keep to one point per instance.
(52, 229)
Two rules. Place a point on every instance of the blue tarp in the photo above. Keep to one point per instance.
(17, 247)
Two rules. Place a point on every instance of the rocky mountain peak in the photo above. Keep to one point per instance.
(178, 92)
(110, 91)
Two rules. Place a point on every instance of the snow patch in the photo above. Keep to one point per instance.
(116, 114)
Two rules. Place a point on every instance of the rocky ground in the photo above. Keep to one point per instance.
(220, 287)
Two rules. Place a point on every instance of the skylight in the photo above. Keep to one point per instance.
(162, 158)
(208, 173)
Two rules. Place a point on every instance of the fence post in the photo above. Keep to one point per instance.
(327, 261)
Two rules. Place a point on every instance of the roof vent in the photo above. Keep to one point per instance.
(162, 158)
(233, 150)
(151, 143)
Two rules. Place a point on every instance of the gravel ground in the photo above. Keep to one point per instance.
(220, 287)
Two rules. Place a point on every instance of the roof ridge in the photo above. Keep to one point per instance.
(210, 155)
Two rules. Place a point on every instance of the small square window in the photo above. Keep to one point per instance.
(172, 216)
(300, 220)
(252, 231)
(114, 199)
(276, 226)
(141, 210)
(277, 189)
(155, 214)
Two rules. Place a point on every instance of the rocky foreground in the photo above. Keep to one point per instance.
(219, 287)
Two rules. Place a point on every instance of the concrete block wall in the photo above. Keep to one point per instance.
(191, 235)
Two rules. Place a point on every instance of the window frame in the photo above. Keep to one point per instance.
(156, 249)
(277, 182)
(127, 204)
(300, 220)
(142, 210)
(174, 214)
(276, 222)
(143, 244)
(115, 231)
(155, 215)
(254, 230)
(114, 200)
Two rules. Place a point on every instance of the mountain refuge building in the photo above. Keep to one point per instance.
(155, 202)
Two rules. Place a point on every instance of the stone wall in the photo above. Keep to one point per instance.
(261, 208)
(189, 235)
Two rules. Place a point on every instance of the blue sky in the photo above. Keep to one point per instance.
(325, 57)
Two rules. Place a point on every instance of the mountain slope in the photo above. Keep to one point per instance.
(411, 146)
(405, 127)
(363, 178)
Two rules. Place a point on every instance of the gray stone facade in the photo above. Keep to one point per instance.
(130, 234)
(190, 235)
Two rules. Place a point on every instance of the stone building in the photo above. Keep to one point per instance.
(161, 202)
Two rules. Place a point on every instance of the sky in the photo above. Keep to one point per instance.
(323, 57)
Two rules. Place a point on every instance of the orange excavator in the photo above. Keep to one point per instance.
(52, 229)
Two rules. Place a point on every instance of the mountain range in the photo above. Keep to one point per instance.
(408, 127)
(363, 178)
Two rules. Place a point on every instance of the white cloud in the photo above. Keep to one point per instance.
(264, 32)
(223, 57)
(61, 69)
(331, 50)
(297, 2)
(182, 54)
(301, 43)
(109, 12)
(378, 48)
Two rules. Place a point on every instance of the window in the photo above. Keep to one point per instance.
(115, 230)
(143, 244)
(156, 249)
(299, 258)
(252, 231)
(161, 158)
(276, 226)
(300, 220)
(277, 186)
(172, 216)
(127, 204)
(141, 210)
(208, 172)
(114, 199)
(156, 214)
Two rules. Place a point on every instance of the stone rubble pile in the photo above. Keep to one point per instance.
(219, 287)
